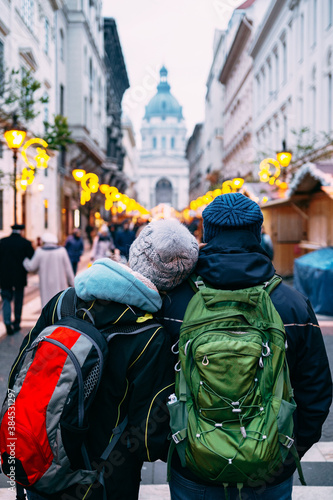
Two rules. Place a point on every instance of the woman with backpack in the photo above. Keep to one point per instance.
(121, 302)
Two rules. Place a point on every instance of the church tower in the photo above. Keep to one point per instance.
(163, 168)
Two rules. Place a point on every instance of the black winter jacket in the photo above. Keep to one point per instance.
(234, 260)
(13, 250)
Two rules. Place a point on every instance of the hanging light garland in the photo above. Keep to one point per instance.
(115, 201)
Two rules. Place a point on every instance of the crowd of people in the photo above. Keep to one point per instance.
(152, 291)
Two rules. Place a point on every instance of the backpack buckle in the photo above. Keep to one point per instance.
(288, 442)
(179, 436)
(199, 284)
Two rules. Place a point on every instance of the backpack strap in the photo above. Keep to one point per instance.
(270, 285)
(116, 433)
(196, 282)
(67, 307)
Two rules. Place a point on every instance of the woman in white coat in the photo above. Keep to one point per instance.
(53, 266)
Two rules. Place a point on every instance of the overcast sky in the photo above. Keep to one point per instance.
(176, 33)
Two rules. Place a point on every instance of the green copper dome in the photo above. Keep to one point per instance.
(163, 104)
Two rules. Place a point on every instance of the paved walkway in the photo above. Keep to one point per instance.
(317, 463)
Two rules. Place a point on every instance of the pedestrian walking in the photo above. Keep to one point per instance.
(54, 268)
(103, 244)
(13, 276)
(139, 373)
(74, 246)
(233, 259)
(124, 238)
(89, 231)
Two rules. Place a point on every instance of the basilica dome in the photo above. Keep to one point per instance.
(163, 104)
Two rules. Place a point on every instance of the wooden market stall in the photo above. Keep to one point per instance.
(302, 221)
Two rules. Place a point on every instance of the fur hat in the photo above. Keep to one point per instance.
(232, 211)
(165, 252)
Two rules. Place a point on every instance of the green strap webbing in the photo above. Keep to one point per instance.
(191, 281)
(289, 443)
(183, 387)
(272, 284)
(298, 465)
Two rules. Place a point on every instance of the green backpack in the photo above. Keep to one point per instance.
(231, 417)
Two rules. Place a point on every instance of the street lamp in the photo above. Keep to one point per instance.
(15, 137)
(284, 156)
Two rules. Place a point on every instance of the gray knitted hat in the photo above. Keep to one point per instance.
(165, 252)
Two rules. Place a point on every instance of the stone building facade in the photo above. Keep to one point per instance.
(163, 168)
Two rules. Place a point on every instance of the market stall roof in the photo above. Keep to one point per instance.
(310, 178)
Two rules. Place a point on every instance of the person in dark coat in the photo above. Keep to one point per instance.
(13, 276)
(234, 259)
(74, 247)
(124, 237)
(139, 373)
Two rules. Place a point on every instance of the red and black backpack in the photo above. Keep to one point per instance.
(44, 418)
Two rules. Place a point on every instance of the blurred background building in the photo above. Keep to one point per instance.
(163, 168)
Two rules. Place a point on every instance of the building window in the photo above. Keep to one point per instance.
(46, 107)
(329, 13)
(27, 11)
(277, 72)
(99, 86)
(258, 93)
(301, 106)
(172, 143)
(301, 36)
(284, 60)
(314, 29)
(91, 79)
(285, 129)
(263, 78)
(1, 210)
(62, 45)
(62, 100)
(154, 143)
(85, 60)
(85, 111)
(270, 78)
(46, 35)
(313, 89)
(163, 143)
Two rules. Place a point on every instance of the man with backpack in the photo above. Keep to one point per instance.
(87, 435)
(235, 431)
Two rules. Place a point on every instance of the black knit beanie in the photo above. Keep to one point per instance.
(231, 211)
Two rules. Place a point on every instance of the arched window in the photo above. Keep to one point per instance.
(172, 144)
(163, 143)
(154, 142)
(163, 191)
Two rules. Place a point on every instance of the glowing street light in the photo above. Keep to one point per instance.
(284, 156)
(15, 137)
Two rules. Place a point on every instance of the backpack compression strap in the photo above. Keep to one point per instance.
(67, 307)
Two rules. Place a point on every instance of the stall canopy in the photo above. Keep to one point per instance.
(313, 276)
